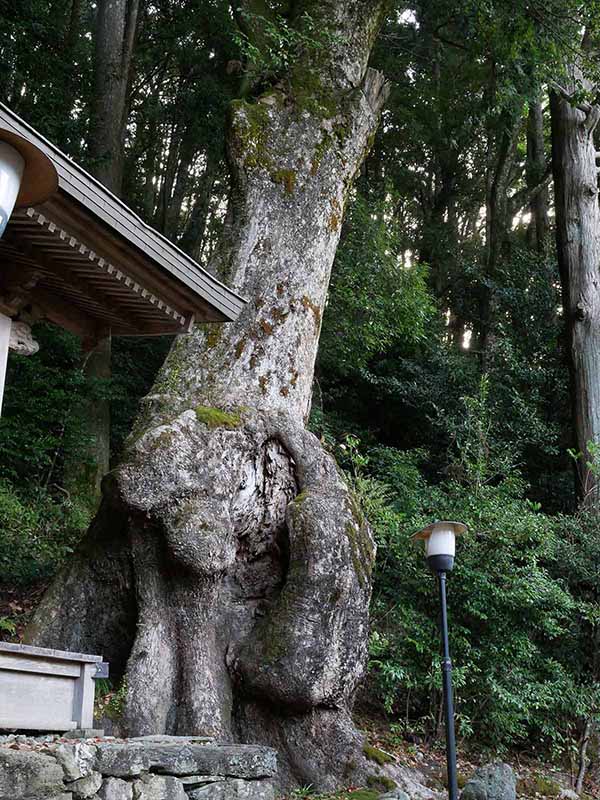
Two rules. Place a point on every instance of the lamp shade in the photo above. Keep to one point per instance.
(25, 166)
(440, 543)
(12, 166)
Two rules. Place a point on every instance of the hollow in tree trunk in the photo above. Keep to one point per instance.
(228, 571)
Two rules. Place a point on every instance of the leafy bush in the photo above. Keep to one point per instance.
(36, 534)
(380, 298)
(42, 392)
(524, 597)
(43, 430)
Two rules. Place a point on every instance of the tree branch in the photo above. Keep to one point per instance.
(528, 194)
(560, 90)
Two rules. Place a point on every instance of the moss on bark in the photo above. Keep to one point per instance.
(216, 418)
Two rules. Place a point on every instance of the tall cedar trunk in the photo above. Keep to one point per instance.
(578, 243)
(193, 237)
(90, 422)
(539, 227)
(188, 153)
(168, 178)
(229, 566)
(496, 224)
(116, 22)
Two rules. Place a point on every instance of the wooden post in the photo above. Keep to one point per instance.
(83, 702)
(5, 323)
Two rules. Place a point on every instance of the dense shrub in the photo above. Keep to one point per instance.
(524, 599)
(36, 533)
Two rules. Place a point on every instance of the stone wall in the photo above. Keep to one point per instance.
(147, 768)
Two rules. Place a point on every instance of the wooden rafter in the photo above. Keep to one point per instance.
(85, 288)
(106, 267)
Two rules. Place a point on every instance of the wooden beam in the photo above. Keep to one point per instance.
(66, 274)
(134, 284)
(17, 283)
(66, 315)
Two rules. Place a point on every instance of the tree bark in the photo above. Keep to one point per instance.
(578, 244)
(83, 471)
(243, 556)
(539, 227)
(193, 237)
(502, 159)
(187, 155)
(116, 23)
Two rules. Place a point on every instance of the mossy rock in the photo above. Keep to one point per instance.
(461, 779)
(381, 783)
(216, 418)
(534, 785)
(378, 756)
(364, 794)
(546, 786)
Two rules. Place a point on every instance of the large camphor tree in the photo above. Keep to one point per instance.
(227, 574)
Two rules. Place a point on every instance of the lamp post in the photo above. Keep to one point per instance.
(27, 177)
(440, 544)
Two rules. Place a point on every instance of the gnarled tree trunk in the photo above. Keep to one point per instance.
(228, 570)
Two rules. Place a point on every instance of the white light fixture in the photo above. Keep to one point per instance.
(27, 176)
(440, 543)
(12, 166)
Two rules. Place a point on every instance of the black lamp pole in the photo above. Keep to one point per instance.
(447, 688)
(440, 544)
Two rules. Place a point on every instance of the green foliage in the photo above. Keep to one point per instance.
(410, 393)
(115, 708)
(272, 45)
(377, 297)
(303, 791)
(41, 432)
(480, 455)
(45, 66)
(41, 394)
(37, 533)
(524, 600)
(41, 427)
(8, 625)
